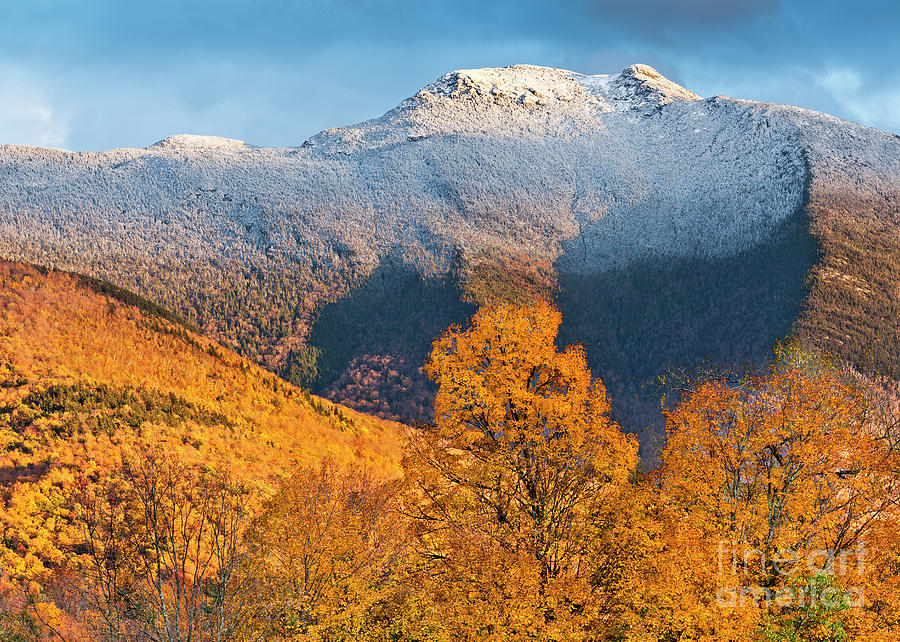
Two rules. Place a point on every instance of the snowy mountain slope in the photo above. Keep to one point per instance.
(581, 153)
(515, 174)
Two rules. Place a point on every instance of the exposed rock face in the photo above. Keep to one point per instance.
(491, 181)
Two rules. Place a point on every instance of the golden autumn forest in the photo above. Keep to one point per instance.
(156, 486)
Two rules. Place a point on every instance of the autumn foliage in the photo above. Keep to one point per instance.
(157, 487)
(522, 433)
(768, 486)
(504, 488)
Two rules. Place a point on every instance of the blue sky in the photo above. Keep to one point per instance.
(91, 75)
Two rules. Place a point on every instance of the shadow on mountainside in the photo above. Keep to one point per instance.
(681, 312)
(633, 322)
(373, 343)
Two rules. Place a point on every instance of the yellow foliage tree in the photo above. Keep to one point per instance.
(522, 456)
(328, 545)
(771, 487)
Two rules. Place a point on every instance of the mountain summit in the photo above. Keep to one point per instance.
(669, 229)
(531, 86)
(521, 99)
(191, 141)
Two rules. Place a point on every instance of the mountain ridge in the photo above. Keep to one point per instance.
(478, 192)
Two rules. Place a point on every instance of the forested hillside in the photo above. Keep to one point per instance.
(181, 494)
(90, 373)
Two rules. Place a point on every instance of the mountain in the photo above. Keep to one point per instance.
(89, 371)
(669, 228)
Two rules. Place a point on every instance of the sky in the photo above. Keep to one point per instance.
(99, 74)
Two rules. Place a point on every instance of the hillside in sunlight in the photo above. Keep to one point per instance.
(89, 372)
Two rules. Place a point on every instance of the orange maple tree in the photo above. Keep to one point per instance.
(777, 483)
(522, 456)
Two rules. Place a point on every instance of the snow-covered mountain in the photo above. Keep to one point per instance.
(621, 191)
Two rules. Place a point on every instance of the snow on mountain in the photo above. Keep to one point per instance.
(624, 166)
(522, 99)
(585, 173)
(192, 141)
